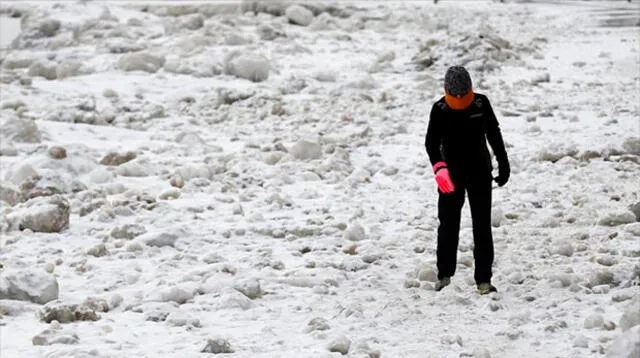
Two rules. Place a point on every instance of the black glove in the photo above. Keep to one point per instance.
(504, 170)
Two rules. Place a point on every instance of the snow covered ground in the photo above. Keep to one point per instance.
(186, 178)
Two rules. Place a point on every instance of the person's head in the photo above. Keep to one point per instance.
(458, 88)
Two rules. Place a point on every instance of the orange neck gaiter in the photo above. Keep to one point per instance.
(459, 103)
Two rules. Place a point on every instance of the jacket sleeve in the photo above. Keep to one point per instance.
(433, 139)
(494, 136)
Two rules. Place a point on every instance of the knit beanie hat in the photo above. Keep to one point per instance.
(458, 89)
(457, 81)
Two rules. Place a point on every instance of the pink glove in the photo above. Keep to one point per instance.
(442, 177)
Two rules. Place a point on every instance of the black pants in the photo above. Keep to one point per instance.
(478, 188)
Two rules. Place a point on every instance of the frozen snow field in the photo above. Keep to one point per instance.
(249, 179)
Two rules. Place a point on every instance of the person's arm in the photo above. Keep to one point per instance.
(433, 139)
(494, 136)
(433, 142)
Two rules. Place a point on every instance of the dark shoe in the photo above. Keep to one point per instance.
(440, 284)
(486, 287)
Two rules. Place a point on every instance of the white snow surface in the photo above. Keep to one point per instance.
(283, 254)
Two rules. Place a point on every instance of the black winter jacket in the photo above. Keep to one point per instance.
(459, 137)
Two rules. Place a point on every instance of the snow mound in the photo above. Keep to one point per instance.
(128, 231)
(217, 346)
(19, 60)
(479, 52)
(235, 39)
(306, 150)
(10, 195)
(180, 319)
(317, 324)
(137, 169)
(53, 176)
(632, 145)
(557, 151)
(115, 158)
(57, 152)
(100, 176)
(177, 294)
(69, 312)
(49, 27)
(299, 15)
(202, 65)
(275, 8)
(635, 209)
(75, 164)
(169, 194)
(55, 335)
(43, 68)
(231, 299)
(191, 22)
(626, 345)
(72, 68)
(250, 66)
(250, 288)
(21, 130)
(189, 139)
(184, 10)
(17, 174)
(42, 214)
(340, 345)
(323, 22)
(49, 182)
(355, 232)
(157, 239)
(267, 32)
(617, 218)
(141, 61)
(326, 75)
(631, 316)
(594, 321)
(365, 82)
(28, 285)
(14, 104)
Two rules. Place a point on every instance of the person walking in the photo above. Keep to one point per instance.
(460, 124)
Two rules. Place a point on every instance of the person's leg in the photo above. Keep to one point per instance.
(480, 203)
(449, 208)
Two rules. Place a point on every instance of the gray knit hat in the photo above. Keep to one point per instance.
(457, 81)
